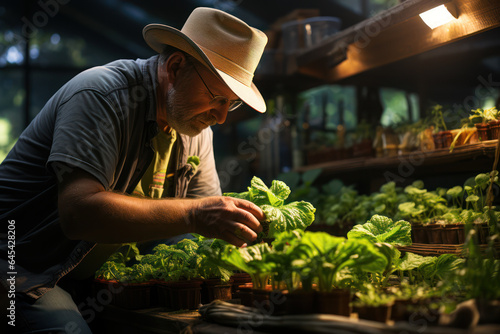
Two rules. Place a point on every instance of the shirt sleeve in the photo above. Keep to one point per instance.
(86, 136)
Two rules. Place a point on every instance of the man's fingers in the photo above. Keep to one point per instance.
(232, 239)
(253, 214)
(244, 232)
(248, 219)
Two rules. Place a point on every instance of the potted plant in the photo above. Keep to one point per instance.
(481, 119)
(374, 305)
(330, 256)
(130, 285)
(251, 260)
(177, 277)
(217, 276)
(281, 215)
(335, 209)
(494, 122)
(421, 208)
(442, 136)
(292, 274)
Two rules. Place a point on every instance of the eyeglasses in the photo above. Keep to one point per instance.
(218, 99)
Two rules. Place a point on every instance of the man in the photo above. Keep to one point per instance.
(138, 127)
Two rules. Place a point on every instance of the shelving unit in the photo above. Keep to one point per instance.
(386, 48)
(471, 152)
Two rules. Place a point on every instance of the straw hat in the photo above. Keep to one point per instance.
(229, 47)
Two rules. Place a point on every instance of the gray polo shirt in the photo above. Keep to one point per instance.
(101, 121)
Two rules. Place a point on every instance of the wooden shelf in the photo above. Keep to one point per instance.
(417, 159)
(393, 35)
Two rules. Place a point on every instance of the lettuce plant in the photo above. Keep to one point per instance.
(383, 229)
(332, 254)
(423, 205)
(373, 297)
(209, 261)
(279, 216)
(252, 261)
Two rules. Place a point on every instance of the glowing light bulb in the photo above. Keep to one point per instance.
(438, 16)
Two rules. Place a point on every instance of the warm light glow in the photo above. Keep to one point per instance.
(437, 16)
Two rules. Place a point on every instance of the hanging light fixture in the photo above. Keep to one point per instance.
(439, 15)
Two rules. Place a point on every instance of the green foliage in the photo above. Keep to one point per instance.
(423, 205)
(338, 204)
(483, 115)
(383, 229)
(371, 296)
(480, 276)
(331, 254)
(250, 260)
(189, 258)
(280, 217)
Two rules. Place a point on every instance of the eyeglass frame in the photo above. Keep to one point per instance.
(233, 104)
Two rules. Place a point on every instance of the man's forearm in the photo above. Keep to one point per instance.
(88, 212)
(107, 217)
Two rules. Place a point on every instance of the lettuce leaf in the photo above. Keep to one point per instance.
(383, 229)
(280, 217)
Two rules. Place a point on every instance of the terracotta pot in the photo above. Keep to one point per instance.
(299, 302)
(483, 233)
(494, 129)
(215, 289)
(239, 279)
(446, 138)
(418, 233)
(277, 303)
(399, 311)
(244, 293)
(185, 295)
(132, 296)
(438, 140)
(261, 299)
(483, 130)
(334, 302)
(434, 233)
(163, 294)
(453, 233)
(380, 313)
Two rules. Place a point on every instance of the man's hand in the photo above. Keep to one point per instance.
(234, 220)
(88, 212)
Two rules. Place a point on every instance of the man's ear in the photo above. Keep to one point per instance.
(174, 64)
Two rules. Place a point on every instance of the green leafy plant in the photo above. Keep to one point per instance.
(383, 229)
(208, 259)
(480, 276)
(436, 118)
(115, 268)
(483, 115)
(332, 254)
(371, 296)
(279, 216)
(385, 202)
(252, 261)
(423, 205)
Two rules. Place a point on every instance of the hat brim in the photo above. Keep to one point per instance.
(157, 36)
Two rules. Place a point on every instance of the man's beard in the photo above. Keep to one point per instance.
(179, 116)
